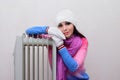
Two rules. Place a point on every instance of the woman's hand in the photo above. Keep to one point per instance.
(58, 41)
(55, 32)
(36, 30)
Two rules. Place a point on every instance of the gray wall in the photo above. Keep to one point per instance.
(99, 21)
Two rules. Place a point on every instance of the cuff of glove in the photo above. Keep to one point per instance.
(60, 47)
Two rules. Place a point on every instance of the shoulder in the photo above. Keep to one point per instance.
(84, 42)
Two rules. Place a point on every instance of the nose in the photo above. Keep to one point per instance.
(64, 28)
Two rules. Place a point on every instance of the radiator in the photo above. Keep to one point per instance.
(31, 59)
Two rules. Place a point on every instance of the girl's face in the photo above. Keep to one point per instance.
(67, 28)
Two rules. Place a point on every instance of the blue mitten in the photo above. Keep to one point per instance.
(37, 30)
(68, 60)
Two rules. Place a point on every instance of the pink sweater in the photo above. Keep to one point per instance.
(80, 58)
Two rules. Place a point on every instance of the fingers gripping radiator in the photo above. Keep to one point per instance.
(31, 59)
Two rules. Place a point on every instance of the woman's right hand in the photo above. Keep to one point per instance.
(58, 41)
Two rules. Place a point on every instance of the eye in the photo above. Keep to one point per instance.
(60, 25)
(67, 23)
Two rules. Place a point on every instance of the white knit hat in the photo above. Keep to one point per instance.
(66, 15)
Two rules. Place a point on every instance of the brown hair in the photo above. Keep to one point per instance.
(76, 32)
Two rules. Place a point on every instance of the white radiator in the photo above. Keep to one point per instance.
(31, 59)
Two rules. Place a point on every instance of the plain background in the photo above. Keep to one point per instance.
(99, 22)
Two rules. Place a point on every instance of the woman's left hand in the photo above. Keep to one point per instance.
(37, 30)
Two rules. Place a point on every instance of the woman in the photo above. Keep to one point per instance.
(71, 46)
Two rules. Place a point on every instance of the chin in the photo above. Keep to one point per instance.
(67, 36)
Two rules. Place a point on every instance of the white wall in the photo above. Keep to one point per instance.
(99, 21)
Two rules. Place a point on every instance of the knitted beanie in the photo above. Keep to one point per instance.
(66, 15)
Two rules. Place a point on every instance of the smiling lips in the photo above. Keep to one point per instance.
(66, 33)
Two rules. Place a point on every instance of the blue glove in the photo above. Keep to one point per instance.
(68, 60)
(36, 30)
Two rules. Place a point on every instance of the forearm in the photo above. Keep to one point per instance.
(68, 60)
(37, 30)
